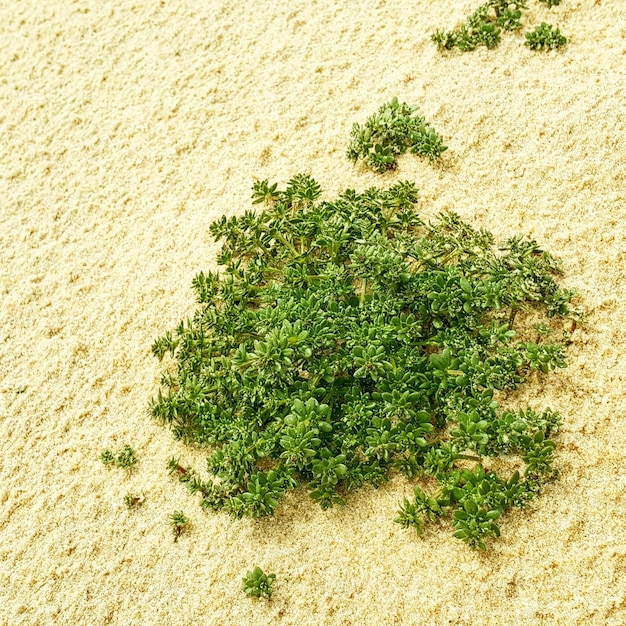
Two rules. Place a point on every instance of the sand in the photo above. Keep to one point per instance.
(126, 128)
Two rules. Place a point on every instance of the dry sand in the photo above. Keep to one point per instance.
(127, 127)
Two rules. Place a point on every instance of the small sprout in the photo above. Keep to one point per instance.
(133, 501)
(125, 458)
(179, 522)
(545, 37)
(173, 465)
(257, 584)
(107, 457)
(185, 475)
(408, 516)
(542, 329)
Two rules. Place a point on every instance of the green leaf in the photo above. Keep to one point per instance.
(470, 507)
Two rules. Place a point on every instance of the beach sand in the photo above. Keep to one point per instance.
(126, 128)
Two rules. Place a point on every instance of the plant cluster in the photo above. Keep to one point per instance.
(545, 37)
(483, 27)
(392, 130)
(478, 498)
(125, 458)
(257, 584)
(346, 340)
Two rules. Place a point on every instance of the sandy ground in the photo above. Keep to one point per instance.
(126, 128)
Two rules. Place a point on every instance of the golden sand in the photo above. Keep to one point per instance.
(126, 128)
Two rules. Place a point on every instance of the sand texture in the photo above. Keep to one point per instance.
(126, 128)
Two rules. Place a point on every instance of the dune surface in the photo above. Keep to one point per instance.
(126, 128)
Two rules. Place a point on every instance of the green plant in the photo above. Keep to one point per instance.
(483, 27)
(393, 130)
(178, 521)
(551, 3)
(133, 501)
(545, 36)
(346, 340)
(257, 584)
(125, 458)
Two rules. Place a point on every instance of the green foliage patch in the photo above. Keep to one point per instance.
(344, 341)
(483, 27)
(392, 130)
(257, 584)
(125, 458)
(545, 37)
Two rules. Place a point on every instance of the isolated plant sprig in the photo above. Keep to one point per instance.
(545, 37)
(178, 521)
(257, 584)
(392, 130)
(125, 458)
(347, 340)
(133, 500)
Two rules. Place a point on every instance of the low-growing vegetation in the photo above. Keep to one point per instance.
(349, 340)
(545, 37)
(125, 458)
(179, 522)
(257, 584)
(134, 500)
(392, 130)
(484, 28)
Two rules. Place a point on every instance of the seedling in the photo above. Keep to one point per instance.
(133, 501)
(174, 467)
(179, 522)
(257, 584)
(348, 340)
(393, 130)
(125, 458)
(545, 37)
